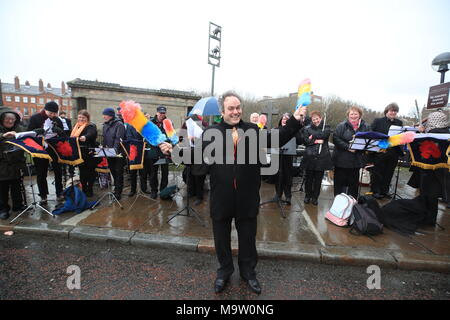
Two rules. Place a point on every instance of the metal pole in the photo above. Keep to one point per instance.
(443, 76)
(212, 82)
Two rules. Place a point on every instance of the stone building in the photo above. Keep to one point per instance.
(95, 96)
(28, 99)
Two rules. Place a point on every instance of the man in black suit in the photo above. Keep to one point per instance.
(385, 162)
(48, 120)
(235, 186)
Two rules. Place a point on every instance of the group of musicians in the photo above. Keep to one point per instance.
(234, 188)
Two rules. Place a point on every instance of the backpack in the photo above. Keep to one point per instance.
(168, 193)
(341, 210)
(364, 220)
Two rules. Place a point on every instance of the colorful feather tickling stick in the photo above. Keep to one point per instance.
(133, 115)
(396, 140)
(304, 94)
(262, 121)
(170, 131)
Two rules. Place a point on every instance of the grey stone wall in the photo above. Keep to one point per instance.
(97, 100)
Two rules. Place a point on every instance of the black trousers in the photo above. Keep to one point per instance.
(196, 186)
(247, 256)
(313, 183)
(154, 177)
(41, 172)
(116, 168)
(381, 174)
(142, 179)
(16, 194)
(285, 185)
(87, 174)
(346, 180)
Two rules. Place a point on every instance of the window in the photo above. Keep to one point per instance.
(25, 112)
(33, 110)
(17, 99)
(25, 99)
(41, 100)
(33, 100)
(48, 100)
(64, 102)
(8, 99)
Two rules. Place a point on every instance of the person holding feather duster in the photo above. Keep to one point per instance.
(235, 183)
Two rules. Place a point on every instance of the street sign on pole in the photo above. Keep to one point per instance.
(438, 96)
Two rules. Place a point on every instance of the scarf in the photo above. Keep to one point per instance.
(355, 124)
(78, 129)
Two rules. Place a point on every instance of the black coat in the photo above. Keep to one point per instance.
(382, 125)
(342, 158)
(113, 131)
(235, 187)
(11, 157)
(311, 158)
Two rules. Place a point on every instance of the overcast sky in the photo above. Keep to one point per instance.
(371, 52)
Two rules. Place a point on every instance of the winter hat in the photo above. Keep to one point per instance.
(109, 112)
(51, 106)
(436, 120)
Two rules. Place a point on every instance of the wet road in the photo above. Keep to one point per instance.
(35, 267)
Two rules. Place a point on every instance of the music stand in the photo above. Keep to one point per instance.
(108, 153)
(288, 149)
(35, 204)
(187, 207)
(139, 192)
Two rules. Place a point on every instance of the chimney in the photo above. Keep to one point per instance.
(63, 88)
(41, 85)
(49, 86)
(27, 83)
(16, 83)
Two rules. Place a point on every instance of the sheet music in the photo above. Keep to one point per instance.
(193, 130)
(109, 152)
(21, 135)
(365, 144)
(393, 130)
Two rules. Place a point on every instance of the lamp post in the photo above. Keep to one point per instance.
(440, 64)
(214, 52)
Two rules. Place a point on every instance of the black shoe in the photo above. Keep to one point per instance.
(307, 200)
(377, 196)
(4, 215)
(314, 202)
(220, 284)
(132, 194)
(118, 196)
(197, 202)
(288, 200)
(146, 192)
(153, 195)
(254, 285)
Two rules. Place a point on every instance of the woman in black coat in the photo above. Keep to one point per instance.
(315, 137)
(347, 162)
(285, 185)
(87, 136)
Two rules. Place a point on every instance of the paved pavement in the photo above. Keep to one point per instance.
(304, 234)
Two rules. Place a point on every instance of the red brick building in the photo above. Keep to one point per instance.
(30, 99)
